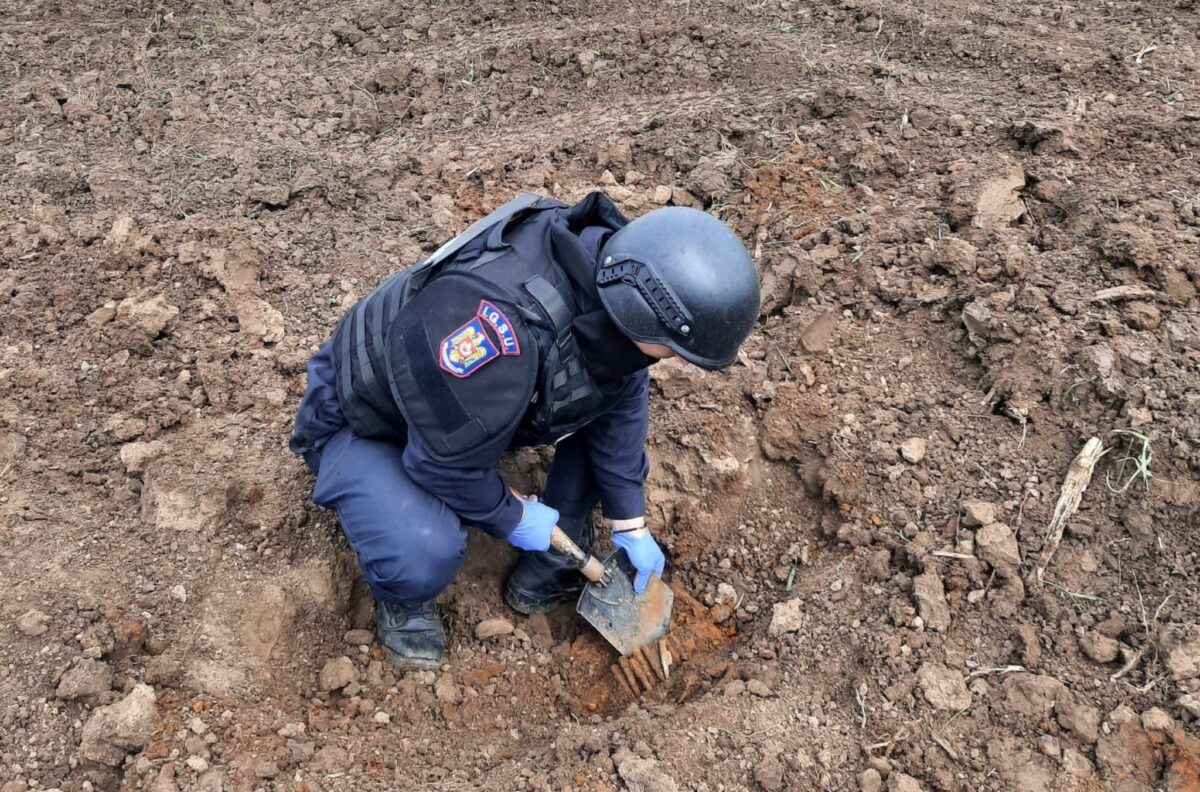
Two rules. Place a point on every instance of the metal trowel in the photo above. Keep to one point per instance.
(627, 620)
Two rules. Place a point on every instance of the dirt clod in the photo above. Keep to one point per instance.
(977, 513)
(1183, 661)
(1157, 719)
(113, 731)
(997, 545)
(337, 673)
(151, 316)
(447, 690)
(869, 780)
(642, 774)
(943, 687)
(787, 617)
(1079, 717)
(931, 600)
(902, 782)
(1098, 647)
(33, 623)
(1032, 695)
(86, 680)
(359, 637)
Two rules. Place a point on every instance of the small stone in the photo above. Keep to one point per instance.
(786, 617)
(977, 513)
(869, 780)
(492, 628)
(197, 726)
(902, 782)
(662, 195)
(266, 769)
(759, 688)
(446, 690)
(381, 717)
(197, 763)
(33, 623)
(1098, 647)
(913, 449)
(86, 680)
(997, 545)
(337, 673)
(726, 595)
(943, 687)
(102, 315)
(179, 593)
(1157, 719)
(359, 637)
(1190, 703)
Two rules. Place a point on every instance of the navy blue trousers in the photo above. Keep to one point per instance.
(409, 544)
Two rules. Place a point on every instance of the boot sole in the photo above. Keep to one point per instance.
(410, 663)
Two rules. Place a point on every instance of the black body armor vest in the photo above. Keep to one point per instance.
(478, 341)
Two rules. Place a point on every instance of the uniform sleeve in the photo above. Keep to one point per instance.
(472, 489)
(616, 447)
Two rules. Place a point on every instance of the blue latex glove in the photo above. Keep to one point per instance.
(533, 531)
(644, 553)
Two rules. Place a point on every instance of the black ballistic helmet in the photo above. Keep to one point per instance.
(680, 277)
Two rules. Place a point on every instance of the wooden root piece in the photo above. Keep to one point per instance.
(1075, 483)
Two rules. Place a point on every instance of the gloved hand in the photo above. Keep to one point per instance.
(644, 553)
(533, 531)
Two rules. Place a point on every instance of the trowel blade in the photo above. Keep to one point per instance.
(625, 619)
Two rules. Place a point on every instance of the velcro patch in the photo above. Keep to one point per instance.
(467, 349)
(504, 329)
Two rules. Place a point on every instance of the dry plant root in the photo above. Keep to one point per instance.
(1075, 483)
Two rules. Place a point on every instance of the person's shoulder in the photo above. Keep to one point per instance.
(463, 362)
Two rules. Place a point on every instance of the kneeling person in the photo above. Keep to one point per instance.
(534, 326)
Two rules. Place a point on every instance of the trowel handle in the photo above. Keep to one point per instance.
(589, 565)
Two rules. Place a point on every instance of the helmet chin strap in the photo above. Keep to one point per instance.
(657, 294)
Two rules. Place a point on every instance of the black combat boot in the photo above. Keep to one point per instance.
(542, 580)
(411, 635)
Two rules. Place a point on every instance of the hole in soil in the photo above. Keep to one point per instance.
(698, 636)
(566, 665)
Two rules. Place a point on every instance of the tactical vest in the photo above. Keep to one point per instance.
(404, 357)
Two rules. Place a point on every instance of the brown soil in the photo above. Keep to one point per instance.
(941, 197)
